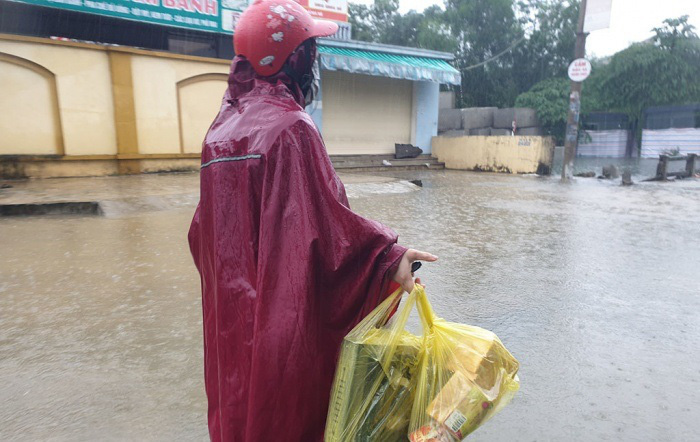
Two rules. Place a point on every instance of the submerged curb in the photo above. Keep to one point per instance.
(62, 208)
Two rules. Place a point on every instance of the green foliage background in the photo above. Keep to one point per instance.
(664, 71)
(536, 39)
(550, 98)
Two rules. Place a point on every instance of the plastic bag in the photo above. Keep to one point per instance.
(391, 385)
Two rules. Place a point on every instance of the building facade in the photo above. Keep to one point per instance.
(87, 94)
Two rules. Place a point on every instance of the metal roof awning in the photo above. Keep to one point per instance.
(387, 61)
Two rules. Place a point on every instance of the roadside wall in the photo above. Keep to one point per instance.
(506, 154)
(55, 100)
(481, 121)
(76, 109)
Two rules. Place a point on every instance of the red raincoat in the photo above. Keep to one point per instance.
(287, 269)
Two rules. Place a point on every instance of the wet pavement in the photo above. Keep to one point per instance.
(594, 287)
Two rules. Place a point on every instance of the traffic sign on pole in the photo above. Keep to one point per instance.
(579, 69)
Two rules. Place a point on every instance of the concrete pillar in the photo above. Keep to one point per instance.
(124, 111)
(424, 124)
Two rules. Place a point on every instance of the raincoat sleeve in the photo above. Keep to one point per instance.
(313, 241)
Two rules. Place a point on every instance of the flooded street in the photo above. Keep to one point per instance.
(594, 287)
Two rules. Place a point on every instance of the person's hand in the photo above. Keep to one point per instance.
(403, 275)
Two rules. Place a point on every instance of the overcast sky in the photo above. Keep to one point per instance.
(631, 21)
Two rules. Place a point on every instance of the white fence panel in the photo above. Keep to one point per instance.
(662, 141)
(604, 143)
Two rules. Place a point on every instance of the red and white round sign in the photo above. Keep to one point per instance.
(579, 69)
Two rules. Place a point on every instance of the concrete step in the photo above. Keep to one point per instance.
(374, 157)
(377, 163)
(372, 169)
(54, 208)
(408, 162)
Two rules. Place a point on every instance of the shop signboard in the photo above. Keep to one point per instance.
(201, 15)
(327, 9)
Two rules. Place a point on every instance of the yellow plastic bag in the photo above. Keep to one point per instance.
(391, 385)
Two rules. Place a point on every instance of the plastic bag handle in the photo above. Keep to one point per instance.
(394, 305)
(418, 298)
(425, 309)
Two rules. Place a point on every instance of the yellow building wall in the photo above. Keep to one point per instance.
(198, 106)
(28, 119)
(157, 82)
(365, 114)
(518, 154)
(59, 98)
(83, 98)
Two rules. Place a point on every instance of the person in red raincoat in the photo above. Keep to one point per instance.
(287, 269)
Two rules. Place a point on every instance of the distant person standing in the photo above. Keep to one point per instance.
(287, 269)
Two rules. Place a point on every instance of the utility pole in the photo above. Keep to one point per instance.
(571, 139)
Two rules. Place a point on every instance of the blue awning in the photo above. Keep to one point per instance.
(388, 64)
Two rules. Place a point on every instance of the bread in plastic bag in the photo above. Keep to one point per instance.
(391, 385)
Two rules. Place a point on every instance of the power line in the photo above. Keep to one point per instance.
(503, 52)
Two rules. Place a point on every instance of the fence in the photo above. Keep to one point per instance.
(604, 143)
(666, 141)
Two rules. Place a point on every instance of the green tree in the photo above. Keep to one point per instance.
(672, 31)
(550, 98)
(549, 48)
(483, 29)
(662, 72)
(434, 33)
(645, 75)
(381, 22)
(360, 18)
(402, 30)
(502, 47)
(375, 23)
(386, 19)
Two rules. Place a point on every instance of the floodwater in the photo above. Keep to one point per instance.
(594, 287)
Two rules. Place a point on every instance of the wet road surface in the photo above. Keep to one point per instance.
(595, 288)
